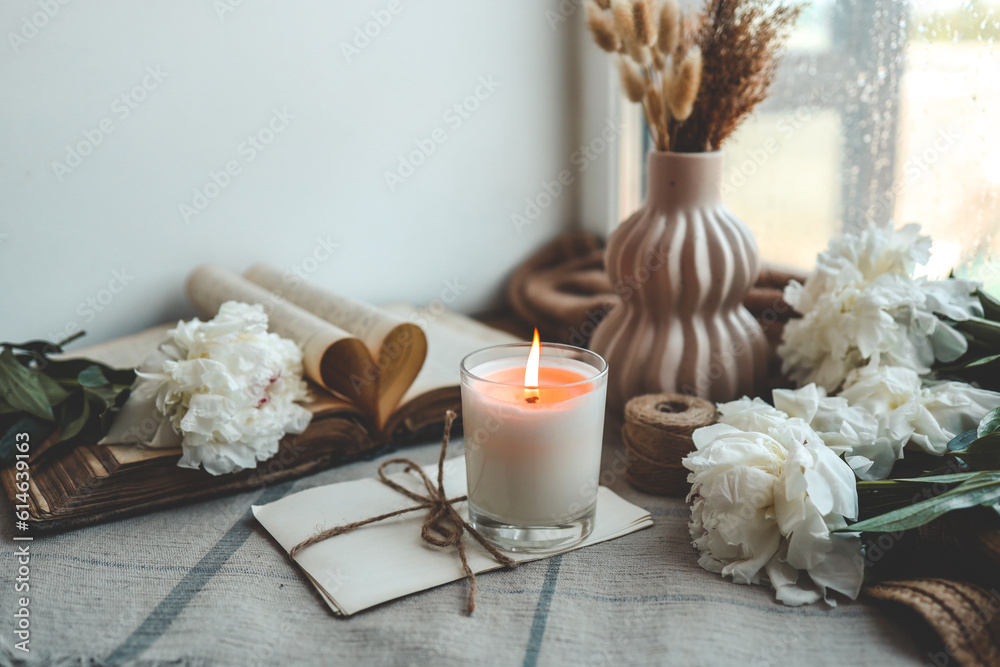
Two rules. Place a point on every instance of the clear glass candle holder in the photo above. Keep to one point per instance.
(533, 456)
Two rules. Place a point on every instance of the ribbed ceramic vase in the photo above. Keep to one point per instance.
(682, 265)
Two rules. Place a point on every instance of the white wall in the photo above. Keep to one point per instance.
(66, 233)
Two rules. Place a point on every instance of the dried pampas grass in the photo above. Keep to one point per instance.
(741, 44)
(696, 77)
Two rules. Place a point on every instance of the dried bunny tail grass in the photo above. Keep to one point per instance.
(602, 28)
(670, 27)
(684, 87)
(621, 10)
(643, 22)
(659, 62)
(632, 82)
(603, 4)
(640, 53)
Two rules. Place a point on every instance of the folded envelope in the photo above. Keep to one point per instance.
(387, 560)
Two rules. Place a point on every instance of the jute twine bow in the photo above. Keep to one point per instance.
(443, 526)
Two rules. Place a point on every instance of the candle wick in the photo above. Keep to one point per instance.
(531, 399)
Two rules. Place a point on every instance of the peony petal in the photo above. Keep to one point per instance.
(229, 388)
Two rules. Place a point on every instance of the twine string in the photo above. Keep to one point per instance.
(443, 527)
(657, 436)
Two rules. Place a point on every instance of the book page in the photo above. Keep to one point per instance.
(368, 323)
(124, 352)
(208, 287)
(450, 337)
(396, 347)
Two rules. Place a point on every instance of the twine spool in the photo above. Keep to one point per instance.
(657, 435)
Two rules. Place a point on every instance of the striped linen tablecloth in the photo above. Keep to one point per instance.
(205, 585)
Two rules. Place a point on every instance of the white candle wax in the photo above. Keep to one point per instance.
(533, 463)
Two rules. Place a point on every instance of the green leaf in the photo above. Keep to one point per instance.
(983, 453)
(20, 388)
(990, 423)
(979, 448)
(962, 440)
(982, 329)
(104, 395)
(983, 361)
(980, 489)
(91, 376)
(954, 464)
(941, 479)
(68, 370)
(54, 392)
(991, 307)
(80, 397)
(971, 362)
(77, 422)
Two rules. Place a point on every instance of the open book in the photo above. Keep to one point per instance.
(377, 375)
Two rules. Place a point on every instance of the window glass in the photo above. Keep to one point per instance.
(881, 110)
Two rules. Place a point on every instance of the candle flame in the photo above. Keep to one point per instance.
(531, 394)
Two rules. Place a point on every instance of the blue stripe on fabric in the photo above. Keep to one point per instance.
(146, 567)
(542, 613)
(170, 607)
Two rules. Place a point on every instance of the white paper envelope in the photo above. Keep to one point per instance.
(386, 560)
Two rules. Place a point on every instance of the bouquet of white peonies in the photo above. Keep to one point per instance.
(775, 488)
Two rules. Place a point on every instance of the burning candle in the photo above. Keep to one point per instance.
(534, 425)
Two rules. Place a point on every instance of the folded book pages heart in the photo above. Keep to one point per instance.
(366, 355)
(387, 560)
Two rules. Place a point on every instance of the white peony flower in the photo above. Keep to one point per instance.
(862, 305)
(764, 505)
(957, 407)
(840, 425)
(847, 430)
(910, 411)
(750, 415)
(230, 389)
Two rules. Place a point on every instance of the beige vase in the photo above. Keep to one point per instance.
(682, 265)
